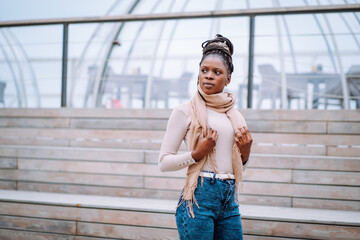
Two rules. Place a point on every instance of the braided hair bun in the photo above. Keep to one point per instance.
(220, 46)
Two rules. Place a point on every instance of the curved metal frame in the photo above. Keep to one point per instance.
(126, 61)
(153, 60)
(348, 27)
(342, 73)
(283, 98)
(101, 72)
(32, 72)
(293, 56)
(170, 39)
(100, 77)
(331, 55)
(82, 56)
(13, 74)
(215, 21)
(20, 87)
(357, 18)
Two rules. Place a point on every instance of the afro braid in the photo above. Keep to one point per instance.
(220, 46)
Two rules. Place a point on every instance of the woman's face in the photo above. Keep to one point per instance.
(213, 75)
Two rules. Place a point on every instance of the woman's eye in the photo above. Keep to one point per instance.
(203, 70)
(217, 72)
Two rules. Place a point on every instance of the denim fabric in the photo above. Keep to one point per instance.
(217, 216)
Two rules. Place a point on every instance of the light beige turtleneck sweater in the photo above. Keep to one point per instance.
(177, 131)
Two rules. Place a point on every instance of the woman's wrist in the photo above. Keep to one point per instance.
(194, 156)
(244, 159)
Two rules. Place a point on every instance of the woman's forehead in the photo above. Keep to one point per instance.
(214, 59)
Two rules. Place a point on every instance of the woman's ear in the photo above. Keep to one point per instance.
(228, 80)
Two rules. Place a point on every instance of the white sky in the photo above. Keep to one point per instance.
(43, 9)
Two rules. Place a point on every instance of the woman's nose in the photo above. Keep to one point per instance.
(209, 75)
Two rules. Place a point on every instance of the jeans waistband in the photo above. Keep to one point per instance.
(222, 176)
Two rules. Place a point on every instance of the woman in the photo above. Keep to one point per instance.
(219, 147)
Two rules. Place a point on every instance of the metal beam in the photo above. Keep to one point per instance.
(251, 61)
(187, 15)
(64, 64)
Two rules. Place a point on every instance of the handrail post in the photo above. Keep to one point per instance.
(64, 64)
(251, 61)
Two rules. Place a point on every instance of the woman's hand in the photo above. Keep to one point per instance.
(243, 140)
(206, 143)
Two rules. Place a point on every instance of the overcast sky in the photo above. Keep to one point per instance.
(40, 9)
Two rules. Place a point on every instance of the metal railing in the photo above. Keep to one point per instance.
(251, 13)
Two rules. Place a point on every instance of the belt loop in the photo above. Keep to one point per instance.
(213, 179)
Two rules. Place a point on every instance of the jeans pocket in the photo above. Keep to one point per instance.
(182, 219)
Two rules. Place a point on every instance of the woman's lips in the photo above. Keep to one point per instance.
(208, 85)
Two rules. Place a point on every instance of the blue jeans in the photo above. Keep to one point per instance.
(217, 216)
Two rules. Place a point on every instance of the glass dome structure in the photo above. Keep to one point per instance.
(298, 61)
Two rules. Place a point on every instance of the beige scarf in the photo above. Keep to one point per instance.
(222, 103)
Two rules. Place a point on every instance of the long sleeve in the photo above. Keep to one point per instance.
(176, 130)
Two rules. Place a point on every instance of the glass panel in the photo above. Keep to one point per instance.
(302, 60)
(31, 66)
(312, 54)
(161, 55)
(89, 45)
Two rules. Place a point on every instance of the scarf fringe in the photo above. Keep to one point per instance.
(238, 190)
(222, 103)
(188, 193)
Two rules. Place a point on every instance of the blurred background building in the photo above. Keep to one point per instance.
(291, 61)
